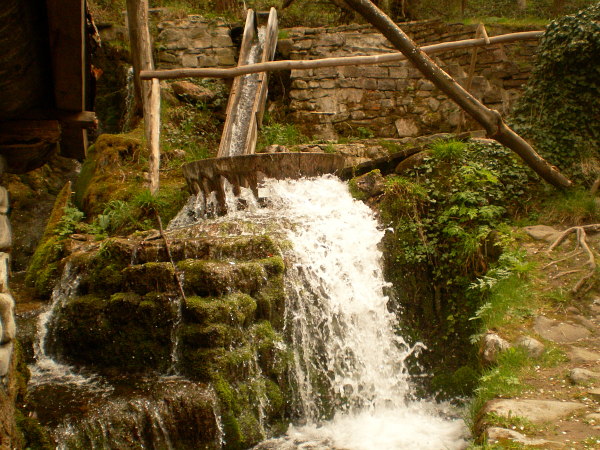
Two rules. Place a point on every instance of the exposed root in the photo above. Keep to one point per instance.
(574, 253)
(582, 244)
(562, 274)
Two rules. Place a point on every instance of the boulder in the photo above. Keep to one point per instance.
(559, 332)
(497, 435)
(581, 355)
(491, 346)
(533, 347)
(579, 375)
(542, 233)
(190, 92)
(536, 411)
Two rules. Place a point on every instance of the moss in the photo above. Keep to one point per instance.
(212, 278)
(276, 405)
(233, 309)
(124, 331)
(232, 436)
(152, 276)
(35, 436)
(270, 301)
(214, 335)
(203, 364)
(43, 271)
(355, 191)
(459, 383)
(250, 429)
(273, 265)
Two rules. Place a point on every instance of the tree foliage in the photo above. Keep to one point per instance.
(560, 110)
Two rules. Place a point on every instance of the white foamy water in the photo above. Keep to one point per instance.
(351, 385)
(46, 369)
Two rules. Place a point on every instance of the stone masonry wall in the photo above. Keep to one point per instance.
(390, 100)
(195, 42)
(394, 99)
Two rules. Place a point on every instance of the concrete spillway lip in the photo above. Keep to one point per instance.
(207, 175)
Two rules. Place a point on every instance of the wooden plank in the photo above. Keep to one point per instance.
(67, 34)
(234, 95)
(27, 144)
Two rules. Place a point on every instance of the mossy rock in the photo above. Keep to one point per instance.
(152, 276)
(126, 331)
(44, 268)
(214, 278)
(233, 309)
(201, 336)
(270, 301)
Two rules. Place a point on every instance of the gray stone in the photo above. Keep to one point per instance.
(434, 104)
(189, 60)
(7, 317)
(496, 435)
(186, 90)
(4, 271)
(5, 355)
(542, 233)
(579, 375)
(491, 346)
(370, 184)
(536, 411)
(4, 202)
(594, 394)
(559, 332)
(581, 355)
(5, 233)
(406, 128)
(534, 348)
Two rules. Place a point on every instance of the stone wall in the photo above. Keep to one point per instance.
(390, 100)
(195, 42)
(393, 99)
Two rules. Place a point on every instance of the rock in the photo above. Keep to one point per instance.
(410, 162)
(581, 355)
(533, 347)
(491, 346)
(189, 91)
(496, 435)
(594, 394)
(585, 322)
(4, 271)
(559, 332)
(593, 416)
(7, 318)
(579, 375)
(406, 128)
(370, 184)
(536, 411)
(4, 204)
(5, 233)
(542, 233)
(5, 355)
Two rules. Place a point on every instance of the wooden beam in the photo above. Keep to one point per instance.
(27, 144)
(141, 49)
(491, 120)
(273, 66)
(67, 35)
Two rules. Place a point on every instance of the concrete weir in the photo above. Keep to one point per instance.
(208, 175)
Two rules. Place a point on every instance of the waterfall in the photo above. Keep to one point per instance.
(351, 383)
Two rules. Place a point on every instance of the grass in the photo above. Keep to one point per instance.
(570, 207)
(281, 134)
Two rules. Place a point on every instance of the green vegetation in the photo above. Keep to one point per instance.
(281, 134)
(559, 110)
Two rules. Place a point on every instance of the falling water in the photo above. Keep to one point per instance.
(351, 383)
(46, 369)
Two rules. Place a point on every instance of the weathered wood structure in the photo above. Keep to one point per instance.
(46, 80)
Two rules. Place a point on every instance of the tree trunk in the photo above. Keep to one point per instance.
(149, 91)
(489, 119)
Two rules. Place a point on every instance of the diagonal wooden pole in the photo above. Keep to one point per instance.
(490, 119)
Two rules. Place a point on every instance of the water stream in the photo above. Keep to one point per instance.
(351, 384)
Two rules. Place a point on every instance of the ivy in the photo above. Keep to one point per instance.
(559, 110)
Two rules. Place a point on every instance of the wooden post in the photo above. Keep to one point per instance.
(491, 120)
(149, 91)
